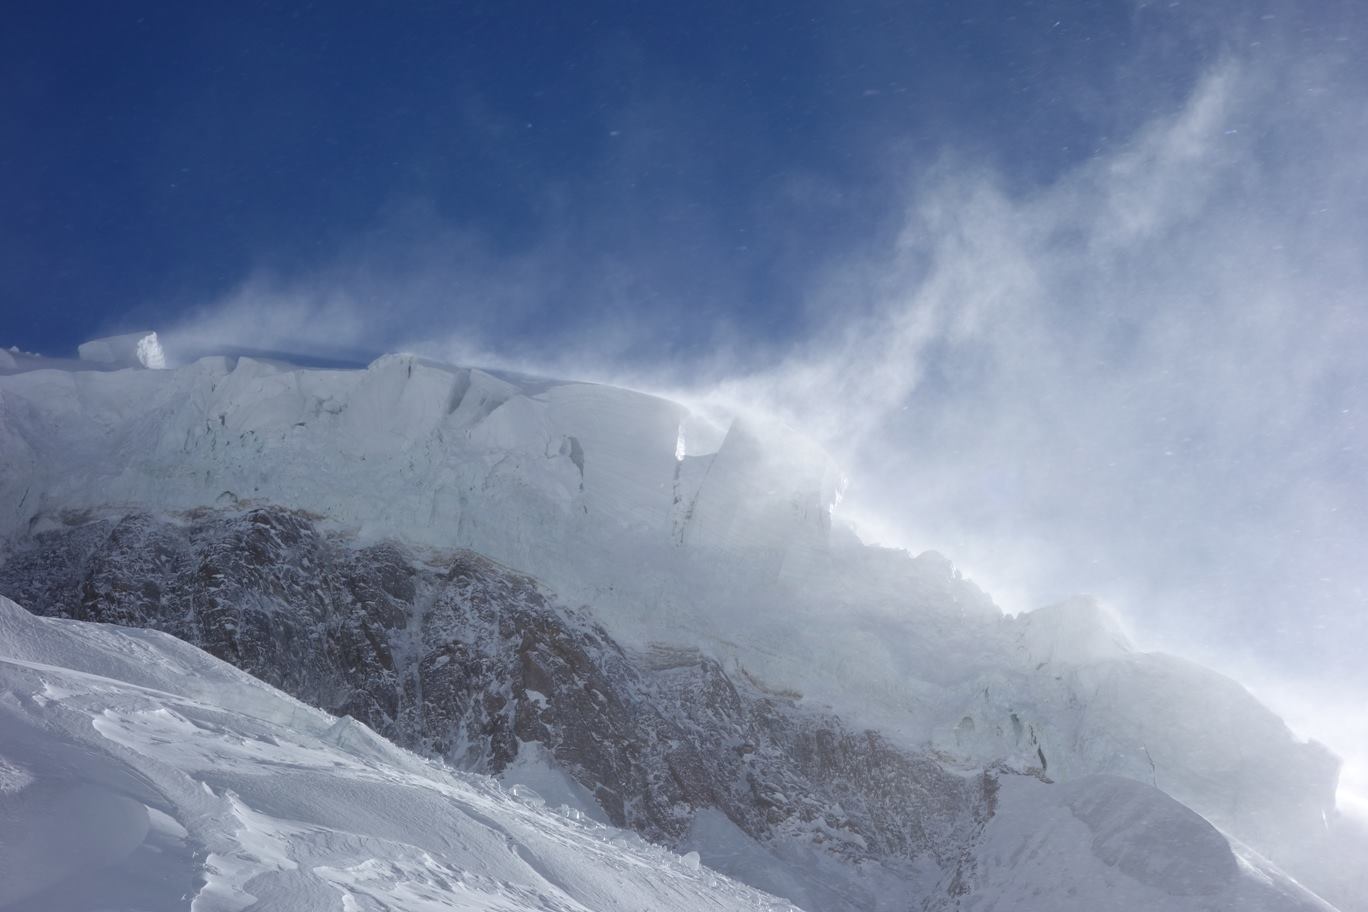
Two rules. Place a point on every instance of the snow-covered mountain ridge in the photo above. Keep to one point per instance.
(682, 538)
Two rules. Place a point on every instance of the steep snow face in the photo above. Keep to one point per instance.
(1077, 631)
(1103, 842)
(142, 773)
(765, 500)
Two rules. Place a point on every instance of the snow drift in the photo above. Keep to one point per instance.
(136, 772)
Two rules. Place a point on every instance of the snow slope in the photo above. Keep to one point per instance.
(1102, 842)
(136, 772)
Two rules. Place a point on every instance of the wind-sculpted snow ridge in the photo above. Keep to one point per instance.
(366, 518)
(141, 774)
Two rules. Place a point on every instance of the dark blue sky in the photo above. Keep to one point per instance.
(156, 154)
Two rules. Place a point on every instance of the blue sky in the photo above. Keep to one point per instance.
(160, 153)
(1077, 291)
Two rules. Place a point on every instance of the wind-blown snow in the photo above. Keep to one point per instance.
(139, 349)
(141, 774)
(150, 354)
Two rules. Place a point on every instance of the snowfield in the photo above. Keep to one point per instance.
(141, 774)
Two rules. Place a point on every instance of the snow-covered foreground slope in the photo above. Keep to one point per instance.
(138, 773)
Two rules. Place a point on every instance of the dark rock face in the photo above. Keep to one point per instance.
(457, 656)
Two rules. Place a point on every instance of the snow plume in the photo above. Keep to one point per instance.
(137, 349)
(1142, 377)
(1133, 363)
(150, 353)
(1142, 380)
